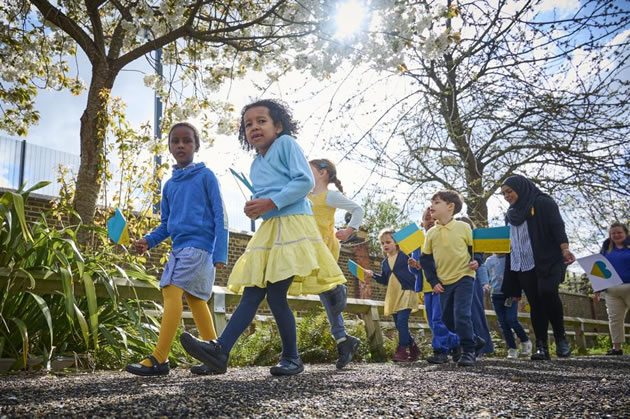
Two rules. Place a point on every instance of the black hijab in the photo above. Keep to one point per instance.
(527, 193)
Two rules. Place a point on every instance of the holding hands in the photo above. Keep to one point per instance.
(414, 263)
(343, 234)
(257, 207)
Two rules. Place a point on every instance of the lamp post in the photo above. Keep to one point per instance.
(157, 132)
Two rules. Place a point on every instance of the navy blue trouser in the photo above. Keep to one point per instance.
(456, 302)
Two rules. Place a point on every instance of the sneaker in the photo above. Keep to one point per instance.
(414, 352)
(346, 350)
(438, 358)
(287, 366)
(542, 352)
(562, 347)
(467, 360)
(154, 370)
(512, 353)
(202, 369)
(615, 352)
(526, 348)
(210, 353)
(401, 355)
(456, 353)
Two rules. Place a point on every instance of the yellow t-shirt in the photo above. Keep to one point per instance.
(325, 219)
(449, 246)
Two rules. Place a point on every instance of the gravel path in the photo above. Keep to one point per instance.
(576, 387)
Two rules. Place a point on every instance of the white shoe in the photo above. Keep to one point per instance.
(526, 348)
(512, 353)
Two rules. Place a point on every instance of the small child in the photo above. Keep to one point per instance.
(287, 253)
(447, 265)
(325, 202)
(443, 341)
(400, 298)
(193, 216)
(506, 309)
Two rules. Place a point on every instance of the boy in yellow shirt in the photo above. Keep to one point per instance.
(448, 265)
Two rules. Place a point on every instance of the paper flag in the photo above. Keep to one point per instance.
(356, 270)
(491, 240)
(409, 238)
(600, 272)
(117, 228)
(243, 179)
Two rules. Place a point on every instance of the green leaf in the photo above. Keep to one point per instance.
(29, 276)
(46, 312)
(73, 245)
(24, 332)
(90, 294)
(18, 204)
(68, 292)
(83, 325)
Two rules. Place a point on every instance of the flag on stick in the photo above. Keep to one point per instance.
(117, 228)
(491, 240)
(409, 238)
(356, 270)
(243, 179)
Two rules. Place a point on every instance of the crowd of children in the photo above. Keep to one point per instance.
(296, 249)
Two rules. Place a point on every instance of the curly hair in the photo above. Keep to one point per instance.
(279, 113)
(331, 169)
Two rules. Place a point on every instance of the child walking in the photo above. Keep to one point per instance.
(506, 309)
(193, 216)
(443, 341)
(325, 203)
(446, 262)
(400, 298)
(287, 253)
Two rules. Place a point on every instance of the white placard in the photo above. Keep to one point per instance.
(600, 272)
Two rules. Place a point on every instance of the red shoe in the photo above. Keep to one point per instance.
(414, 352)
(401, 354)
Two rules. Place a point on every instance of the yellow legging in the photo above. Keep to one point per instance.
(173, 307)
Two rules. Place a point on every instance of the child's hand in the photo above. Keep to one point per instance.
(257, 207)
(438, 289)
(141, 245)
(368, 273)
(486, 287)
(344, 233)
(414, 263)
(219, 265)
(474, 265)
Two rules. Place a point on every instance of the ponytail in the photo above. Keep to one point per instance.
(330, 169)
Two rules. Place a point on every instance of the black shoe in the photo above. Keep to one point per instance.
(346, 350)
(615, 352)
(210, 353)
(202, 369)
(562, 347)
(479, 344)
(456, 353)
(542, 352)
(154, 370)
(467, 359)
(438, 358)
(287, 366)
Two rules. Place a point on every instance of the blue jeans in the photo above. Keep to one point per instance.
(443, 339)
(456, 302)
(401, 320)
(479, 321)
(246, 310)
(334, 301)
(508, 319)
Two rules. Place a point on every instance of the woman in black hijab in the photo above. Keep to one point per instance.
(537, 260)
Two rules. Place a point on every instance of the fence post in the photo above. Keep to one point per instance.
(374, 332)
(22, 162)
(218, 309)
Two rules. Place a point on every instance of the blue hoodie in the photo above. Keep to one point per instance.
(192, 213)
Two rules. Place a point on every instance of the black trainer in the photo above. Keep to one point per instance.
(542, 352)
(154, 370)
(467, 359)
(456, 353)
(438, 358)
(614, 351)
(210, 353)
(562, 347)
(287, 366)
(202, 369)
(346, 350)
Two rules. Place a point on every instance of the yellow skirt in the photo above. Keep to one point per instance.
(285, 247)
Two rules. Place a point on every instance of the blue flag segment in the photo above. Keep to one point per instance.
(491, 240)
(409, 238)
(243, 179)
(117, 228)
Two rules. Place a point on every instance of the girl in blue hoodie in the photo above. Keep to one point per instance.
(193, 216)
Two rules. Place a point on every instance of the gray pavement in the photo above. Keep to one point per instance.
(596, 386)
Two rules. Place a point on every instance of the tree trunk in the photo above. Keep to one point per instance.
(93, 132)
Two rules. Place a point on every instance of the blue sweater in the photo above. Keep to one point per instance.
(284, 176)
(401, 270)
(193, 213)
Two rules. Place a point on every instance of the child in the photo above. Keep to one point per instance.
(193, 216)
(447, 265)
(481, 285)
(287, 253)
(325, 202)
(506, 309)
(443, 340)
(400, 299)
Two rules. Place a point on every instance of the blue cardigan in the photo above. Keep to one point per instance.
(401, 270)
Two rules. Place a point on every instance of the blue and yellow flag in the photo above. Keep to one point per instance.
(491, 240)
(117, 228)
(356, 270)
(409, 238)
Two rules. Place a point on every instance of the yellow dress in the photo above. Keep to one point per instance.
(284, 247)
(325, 219)
(396, 298)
